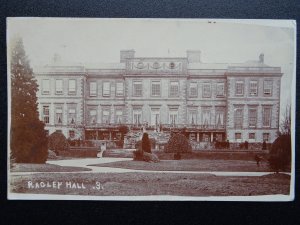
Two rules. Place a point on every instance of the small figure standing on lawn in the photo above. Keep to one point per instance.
(102, 148)
(264, 146)
(257, 159)
(246, 145)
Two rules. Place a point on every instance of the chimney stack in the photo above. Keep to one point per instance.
(126, 54)
(193, 56)
(261, 58)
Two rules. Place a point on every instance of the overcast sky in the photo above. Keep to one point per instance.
(100, 40)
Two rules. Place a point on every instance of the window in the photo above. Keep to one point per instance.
(206, 113)
(220, 118)
(206, 90)
(252, 136)
(58, 115)
(119, 115)
(46, 114)
(137, 88)
(106, 116)
(220, 90)
(106, 88)
(45, 87)
(119, 89)
(206, 137)
(174, 89)
(193, 116)
(219, 137)
(71, 133)
(268, 87)
(253, 88)
(238, 136)
(173, 117)
(193, 89)
(238, 118)
(155, 88)
(92, 116)
(154, 117)
(137, 117)
(266, 137)
(58, 131)
(266, 116)
(72, 87)
(72, 116)
(119, 136)
(59, 87)
(252, 113)
(239, 88)
(93, 88)
(192, 137)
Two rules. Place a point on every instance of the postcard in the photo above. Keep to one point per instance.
(151, 109)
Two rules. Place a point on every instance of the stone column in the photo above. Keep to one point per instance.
(197, 136)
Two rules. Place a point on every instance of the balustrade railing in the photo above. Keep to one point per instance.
(160, 126)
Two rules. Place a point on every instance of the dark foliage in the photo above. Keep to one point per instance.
(221, 144)
(28, 137)
(123, 129)
(178, 143)
(138, 155)
(177, 156)
(58, 142)
(138, 145)
(146, 144)
(280, 154)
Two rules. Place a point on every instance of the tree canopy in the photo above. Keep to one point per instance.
(28, 137)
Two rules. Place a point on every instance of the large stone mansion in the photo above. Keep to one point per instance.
(219, 101)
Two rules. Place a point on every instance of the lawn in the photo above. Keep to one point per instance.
(135, 184)
(192, 165)
(29, 167)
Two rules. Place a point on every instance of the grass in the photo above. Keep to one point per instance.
(192, 165)
(29, 167)
(135, 184)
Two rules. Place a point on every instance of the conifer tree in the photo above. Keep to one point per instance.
(28, 137)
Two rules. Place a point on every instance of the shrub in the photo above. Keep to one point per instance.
(138, 155)
(150, 157)
(177, 156)
(280, 154)
(146, 145)
(119, 143)
(138, 145)
(51, 155)
(178, 143)
(58, 142)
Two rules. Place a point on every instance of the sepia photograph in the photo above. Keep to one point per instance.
(151, 109)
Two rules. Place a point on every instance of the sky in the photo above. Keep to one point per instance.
(100, 41)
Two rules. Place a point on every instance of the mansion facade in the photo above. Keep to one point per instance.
(218, 101)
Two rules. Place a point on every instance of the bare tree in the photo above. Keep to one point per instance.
(285, 125)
